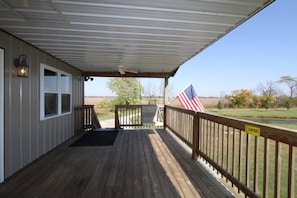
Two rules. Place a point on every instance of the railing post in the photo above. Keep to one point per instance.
(116, 118)
(164, 117)
(195, 136)
(78, 122)
(95, 120)
(82, 118)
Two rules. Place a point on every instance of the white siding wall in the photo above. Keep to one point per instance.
(26, 137)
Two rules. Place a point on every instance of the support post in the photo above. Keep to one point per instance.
(195, 136)
(166, 90)
(116, 118)
(165, 100)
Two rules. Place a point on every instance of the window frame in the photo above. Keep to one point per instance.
(59, 92)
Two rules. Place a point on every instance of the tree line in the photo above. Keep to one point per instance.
(267, 95)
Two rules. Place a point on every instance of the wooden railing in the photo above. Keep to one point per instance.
(137, 116)
(128, 116)
(85, 118)
(181, 122)
(259, 160)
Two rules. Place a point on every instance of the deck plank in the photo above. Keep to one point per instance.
(146, 182)
(152, 169)
(141, 163)
(137, 183)
(174, 171)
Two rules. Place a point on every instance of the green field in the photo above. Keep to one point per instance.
(259, 113)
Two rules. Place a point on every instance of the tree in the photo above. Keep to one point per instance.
(267, 101)
(220, 105)
(128, 90)
(241, 98)
(290, 82)
(150, 91)
(267, 89)
(266, 104)
(288, 104)
(268, 92)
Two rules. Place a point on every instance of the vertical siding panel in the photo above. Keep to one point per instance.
(7, 103)
(49, 128)
(28, 109)
(41, 136)
(15, 119)
(60, 136)
(34, 103)
(26, 115)
(58, 129)
(42, 131)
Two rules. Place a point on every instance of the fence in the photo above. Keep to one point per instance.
(138, 116)
(85, 118)
(259, 160)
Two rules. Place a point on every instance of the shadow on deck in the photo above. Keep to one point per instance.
(141, 163)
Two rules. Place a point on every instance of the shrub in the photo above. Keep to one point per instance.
(220, 105)
(288, 104)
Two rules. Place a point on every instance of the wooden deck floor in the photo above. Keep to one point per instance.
(141, 163)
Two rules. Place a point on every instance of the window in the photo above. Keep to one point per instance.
(65, 93)
(55, 92)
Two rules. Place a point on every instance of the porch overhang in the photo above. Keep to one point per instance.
(118, 74)
(150, 38)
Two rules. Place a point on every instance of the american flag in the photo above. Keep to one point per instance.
(189, 99)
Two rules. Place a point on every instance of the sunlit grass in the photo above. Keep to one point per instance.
(256, 113)
(259, 113)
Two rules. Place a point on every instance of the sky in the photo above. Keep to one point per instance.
(262, 49)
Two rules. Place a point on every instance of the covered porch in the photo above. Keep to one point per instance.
(81, 39)
(250, 158)
(141, 163)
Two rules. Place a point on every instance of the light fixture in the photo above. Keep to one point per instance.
(88, 78)
(21, 65)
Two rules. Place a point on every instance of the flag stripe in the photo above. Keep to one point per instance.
(186, 102)
(199, 104)
(189, 99)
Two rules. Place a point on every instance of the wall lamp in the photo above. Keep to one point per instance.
(21, 65)
(88, 78)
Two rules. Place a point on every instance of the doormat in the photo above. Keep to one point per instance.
(96, 138)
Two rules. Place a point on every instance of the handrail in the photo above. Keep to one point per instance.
(137, 116)
(180, 122)
(258, 159)
(85, 118)
(128, 116)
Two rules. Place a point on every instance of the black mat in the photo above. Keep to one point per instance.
(96, 138)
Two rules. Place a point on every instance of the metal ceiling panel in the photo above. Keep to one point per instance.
(151, 37)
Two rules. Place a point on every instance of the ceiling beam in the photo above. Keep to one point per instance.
(127, 74)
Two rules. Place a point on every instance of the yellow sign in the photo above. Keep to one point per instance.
(252, 130)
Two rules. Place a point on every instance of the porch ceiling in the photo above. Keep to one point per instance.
(152, 38)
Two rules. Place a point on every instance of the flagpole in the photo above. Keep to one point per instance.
(179, 93)
(184, 89)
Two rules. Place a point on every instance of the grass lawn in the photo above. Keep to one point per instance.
(259, 113)
(104, 113)
(256, 113)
